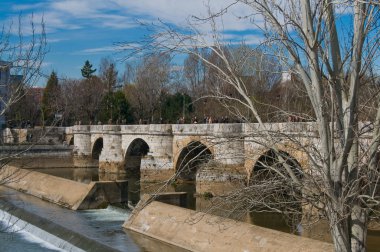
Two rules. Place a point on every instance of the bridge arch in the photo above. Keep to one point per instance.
(136, 150)
(269, 162)
(71, 141)
(97, 148)
(190, 158)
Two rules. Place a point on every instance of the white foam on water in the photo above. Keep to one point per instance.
(32, 238)
(33, 234)
(10, 226)
(108, 214)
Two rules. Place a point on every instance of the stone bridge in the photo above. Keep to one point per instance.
(158, 151)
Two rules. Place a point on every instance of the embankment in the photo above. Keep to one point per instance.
(64, 192)
(198, 231)
(37, 156)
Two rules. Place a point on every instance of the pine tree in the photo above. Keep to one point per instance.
(49, 97)
(87, 70)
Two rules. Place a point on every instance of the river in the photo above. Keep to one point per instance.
(92, 230)
(104, 225)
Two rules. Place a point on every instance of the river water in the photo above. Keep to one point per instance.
(16, 239)
(105, 225)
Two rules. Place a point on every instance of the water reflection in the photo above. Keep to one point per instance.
(197, 200)
(82, 175)
(190, 189)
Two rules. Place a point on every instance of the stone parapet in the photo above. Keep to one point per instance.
(160, 129)
(135, 129)
(193, 129)
(96, 129)
(304, 128)
(81, 129)
(115, 129)
(147, 129)
(227, 129)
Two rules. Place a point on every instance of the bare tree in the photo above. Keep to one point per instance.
(21, 57)
(108, 73)
(22, 51)
(329, 46)
(151, 82)
(195, 73)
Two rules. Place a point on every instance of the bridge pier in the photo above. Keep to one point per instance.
(155, 167)
(158, 164)
(82, 146)
(111, 159)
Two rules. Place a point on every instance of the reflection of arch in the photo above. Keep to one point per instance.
(191, 158)
(71, 142)
(97, 148)
(274, 185)
(137, 149)
(269, 163)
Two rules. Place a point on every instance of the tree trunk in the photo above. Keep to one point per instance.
(359, 225)
(339, 232)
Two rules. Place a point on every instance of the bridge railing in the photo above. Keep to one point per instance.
(310, 128)
(161, 129)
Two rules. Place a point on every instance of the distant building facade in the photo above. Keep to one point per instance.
(5, 79)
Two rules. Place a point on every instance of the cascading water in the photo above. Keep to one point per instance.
(104, 225)
(63, 229)
(16, 238)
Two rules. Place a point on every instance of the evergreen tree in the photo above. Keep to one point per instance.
(49, 98)
(176, 106)
(87, 70)
(118, 110)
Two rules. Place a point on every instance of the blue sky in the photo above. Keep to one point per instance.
(78, 30)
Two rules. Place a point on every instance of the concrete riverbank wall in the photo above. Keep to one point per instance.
(64, 192)
(198, 231)
(37, 156)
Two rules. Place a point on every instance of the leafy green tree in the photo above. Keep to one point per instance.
(87, 70)
(176, 106)
(50, 98)
(115, 107)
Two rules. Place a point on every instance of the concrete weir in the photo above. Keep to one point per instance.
(64, 192)
(198, 231)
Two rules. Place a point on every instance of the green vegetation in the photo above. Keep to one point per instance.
(87, 70)
(115, 107)
(49, 99)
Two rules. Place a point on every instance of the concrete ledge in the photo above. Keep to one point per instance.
(55, 234)
(197, 231)
(64, 192)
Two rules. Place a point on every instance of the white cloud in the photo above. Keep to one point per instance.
(54, 40)
(23, 7)
(120, 14)
(250, 39)
(47, 64)
(178, 12)
(98, 50)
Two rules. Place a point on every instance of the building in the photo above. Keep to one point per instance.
(5, 79)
